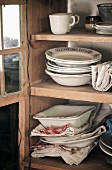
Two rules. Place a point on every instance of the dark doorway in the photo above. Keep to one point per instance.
(9, 137)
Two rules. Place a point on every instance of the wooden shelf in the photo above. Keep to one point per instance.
(81, 35)
(11, 98)
(84, 93)
(95, 160)
(46, 93)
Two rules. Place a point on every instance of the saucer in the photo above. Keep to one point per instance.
(104, 32)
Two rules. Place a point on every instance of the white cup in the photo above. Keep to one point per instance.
(61, 23)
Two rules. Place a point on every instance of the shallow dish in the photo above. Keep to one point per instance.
(76, 55)
(103, 32)
(67, 66)
(103, 26)
(60, 115)
(68, 70)
(79, 136)
(70, 79)
(75, 143)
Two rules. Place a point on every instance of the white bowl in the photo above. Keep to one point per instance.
(70, 80)
(71, 141)
(76, 143)
(60, 115)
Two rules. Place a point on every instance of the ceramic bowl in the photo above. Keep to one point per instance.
(75, 143)
(105, 11)
(60, 115)
(70, 80)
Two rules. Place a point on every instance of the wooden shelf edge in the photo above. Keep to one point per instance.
(93, 161)
(75, 35)
(84, 93)
(10, 99)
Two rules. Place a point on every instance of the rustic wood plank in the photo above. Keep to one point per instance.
(10, 99)
(84, 93)
(2, 75)
(22, 132)
(12, 50)
(76, 35)
(7, 2)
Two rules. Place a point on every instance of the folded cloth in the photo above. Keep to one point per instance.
(104, 111)
(66, 130)
(77, 155)
(93, 134)
(69, 155)
(102, 76)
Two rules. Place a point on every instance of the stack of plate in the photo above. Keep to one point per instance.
(105, 144)
(71, 66)
(103, 28)
(57, 117)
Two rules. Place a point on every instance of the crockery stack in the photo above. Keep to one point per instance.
(71, 66)
(65, 131)
(105, 142)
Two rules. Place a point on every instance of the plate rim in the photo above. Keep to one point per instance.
(105, 151)
(95, 54)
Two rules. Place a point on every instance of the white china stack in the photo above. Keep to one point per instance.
(53, 122)
(63, 129)
(71, 66)
(105, 144)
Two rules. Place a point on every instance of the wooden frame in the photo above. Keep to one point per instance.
(7, 2)
(19, 96)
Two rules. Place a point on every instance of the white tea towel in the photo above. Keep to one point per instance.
(102, 76)
(70, 156)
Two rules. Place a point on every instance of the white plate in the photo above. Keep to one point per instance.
(61, 71)
(70, 79)
(76, 55)
(103, 26)
(61, 138)
(75, 143)
(104, 32)
(80, 136)
(67, 66)
(69, 70)
(105, 149)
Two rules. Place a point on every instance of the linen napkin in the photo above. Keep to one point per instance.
(102, 76)
(69, 155)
